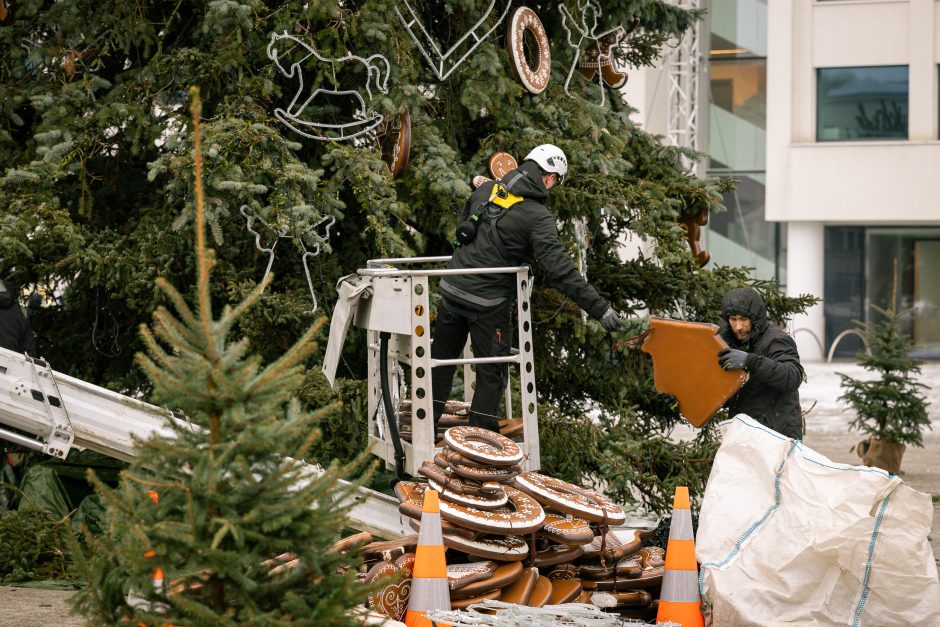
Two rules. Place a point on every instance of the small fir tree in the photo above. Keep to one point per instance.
(891, 407)
(205, 508)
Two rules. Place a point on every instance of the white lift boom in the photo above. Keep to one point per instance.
(51, 412)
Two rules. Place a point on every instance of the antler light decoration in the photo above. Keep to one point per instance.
(327, 223)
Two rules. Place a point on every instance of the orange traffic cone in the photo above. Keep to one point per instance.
(159, 581)
(429, 589)
(679, 600)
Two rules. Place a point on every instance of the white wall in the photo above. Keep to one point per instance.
(647, 90)
(851, 182)
(805, 258)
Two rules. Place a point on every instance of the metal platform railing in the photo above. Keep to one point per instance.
(400, 305)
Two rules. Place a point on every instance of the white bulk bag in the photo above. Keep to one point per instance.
(787, 536)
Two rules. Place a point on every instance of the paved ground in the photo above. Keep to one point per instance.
(827, 433)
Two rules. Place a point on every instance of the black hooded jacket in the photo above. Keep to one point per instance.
(519, 235)
(770, 395)
(15, 332)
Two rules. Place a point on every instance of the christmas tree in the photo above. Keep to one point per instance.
(890, 407)
(193, 530)
(96, 187)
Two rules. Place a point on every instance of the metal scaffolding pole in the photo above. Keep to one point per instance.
(683, 64)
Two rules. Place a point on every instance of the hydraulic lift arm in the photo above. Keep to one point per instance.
(52, 412)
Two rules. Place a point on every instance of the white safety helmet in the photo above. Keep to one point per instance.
(550, 158)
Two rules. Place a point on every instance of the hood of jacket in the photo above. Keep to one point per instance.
(6, 296)
(526, 181)
(745, 301)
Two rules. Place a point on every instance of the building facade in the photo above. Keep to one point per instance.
(827, 113)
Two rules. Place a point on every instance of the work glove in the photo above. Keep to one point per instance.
(611, 319)
(669, 400)
(732, 359)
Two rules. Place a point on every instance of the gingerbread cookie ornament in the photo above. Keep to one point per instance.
(483, 446)
(571, 499)
(599, 58)
(392, 598)
(396, 144)
(501, 164)
(525, 26)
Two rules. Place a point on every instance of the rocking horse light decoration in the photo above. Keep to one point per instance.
(293, 58)
(443, 63)
(599, 49)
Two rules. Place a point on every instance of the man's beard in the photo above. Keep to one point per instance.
(742, 335)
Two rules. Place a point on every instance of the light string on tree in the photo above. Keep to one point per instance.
(278, 233)
(291, 55)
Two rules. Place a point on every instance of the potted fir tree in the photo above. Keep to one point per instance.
(889, 408)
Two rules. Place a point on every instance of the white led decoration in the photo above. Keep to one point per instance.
(443, 63)
(277, 233)
(290, 55)
(586, 29)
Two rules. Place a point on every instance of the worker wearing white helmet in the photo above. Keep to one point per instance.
(551, 160)
(503, 224)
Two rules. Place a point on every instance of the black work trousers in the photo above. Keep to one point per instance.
(490, 332)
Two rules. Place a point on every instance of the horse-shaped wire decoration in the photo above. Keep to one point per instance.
(282, 232)
(292, 56)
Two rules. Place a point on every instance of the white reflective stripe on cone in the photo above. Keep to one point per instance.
(429, 594)
(681, 526)
(679, 586)
(430, 531)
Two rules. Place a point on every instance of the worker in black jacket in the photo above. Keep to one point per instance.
(769, 356)
(15, 332)
(511, 227)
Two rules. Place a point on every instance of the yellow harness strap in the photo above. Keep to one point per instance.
(502, 198)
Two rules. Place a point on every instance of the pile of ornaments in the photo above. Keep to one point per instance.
(520, 536)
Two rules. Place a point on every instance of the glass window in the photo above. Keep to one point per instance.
(737, 115)
(917, 251)
(844, 286)
(737, 138)
(859, 103)
(859, 273)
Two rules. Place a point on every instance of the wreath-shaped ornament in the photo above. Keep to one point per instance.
(524, 20)
(483, 446)
(571, 499)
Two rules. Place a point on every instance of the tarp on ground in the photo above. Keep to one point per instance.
(787, 536)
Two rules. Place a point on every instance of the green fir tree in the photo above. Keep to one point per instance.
(213, 503)
(96, 192)
(890, 407)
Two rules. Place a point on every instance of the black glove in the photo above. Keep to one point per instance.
(611, 319)
(732, 359)
(671, 401)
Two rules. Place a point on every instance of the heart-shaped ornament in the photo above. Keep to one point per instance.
(391, 599)
(442, 62)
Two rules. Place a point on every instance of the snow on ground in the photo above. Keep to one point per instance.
(823, 387)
